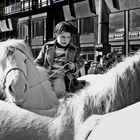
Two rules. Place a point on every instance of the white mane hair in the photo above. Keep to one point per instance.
(114, 90)
(16, 43)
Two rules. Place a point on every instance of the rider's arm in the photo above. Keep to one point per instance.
(78, 60)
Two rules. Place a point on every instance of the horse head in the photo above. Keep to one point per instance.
(13, 71)
(24, 83)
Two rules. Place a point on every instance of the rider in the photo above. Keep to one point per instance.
(62, 58)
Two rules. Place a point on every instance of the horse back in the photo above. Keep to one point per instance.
(20, 124)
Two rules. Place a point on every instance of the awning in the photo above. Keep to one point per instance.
(81, 9)
(6, 25)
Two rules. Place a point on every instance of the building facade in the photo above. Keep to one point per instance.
(117, 36)
(34, 21)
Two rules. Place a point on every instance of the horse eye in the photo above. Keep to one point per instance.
(25, 60)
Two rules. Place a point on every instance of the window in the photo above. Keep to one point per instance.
(116, 22)
(134, 23)
(42, 3)
(23, 30)
(74, 23)
(37, 28)
(87, 25)
(26, 5)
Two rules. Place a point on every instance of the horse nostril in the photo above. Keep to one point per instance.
(10, 88)
(25, 88)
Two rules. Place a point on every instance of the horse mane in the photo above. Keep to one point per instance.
(16, 43)
(117, 88)
(114, 90)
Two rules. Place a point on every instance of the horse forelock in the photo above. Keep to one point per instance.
(21, 45)
(15, 43)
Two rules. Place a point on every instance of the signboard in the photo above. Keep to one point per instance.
(135, 35)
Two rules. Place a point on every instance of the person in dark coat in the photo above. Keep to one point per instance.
(96, 67)
(61, 57)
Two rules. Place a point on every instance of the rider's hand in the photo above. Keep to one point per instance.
(71, 66)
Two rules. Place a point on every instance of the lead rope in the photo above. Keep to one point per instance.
(49, 76)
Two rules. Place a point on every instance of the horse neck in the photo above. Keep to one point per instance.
(63, 121)
(68, 117)
(36, 75)
(32, 73)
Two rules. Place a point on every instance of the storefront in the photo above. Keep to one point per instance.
(117, 42)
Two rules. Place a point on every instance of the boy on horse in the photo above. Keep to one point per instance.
(62, 59)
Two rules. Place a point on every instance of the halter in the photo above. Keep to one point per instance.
(49, 76)
(4, 82)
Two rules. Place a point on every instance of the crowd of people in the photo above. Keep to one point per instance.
(102, 63)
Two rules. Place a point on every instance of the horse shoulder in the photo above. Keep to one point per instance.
(17, 123)
(118, 125)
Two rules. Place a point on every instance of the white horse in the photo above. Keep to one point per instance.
(119, 125)
(20, 124)
(23, 83)
(114, 90)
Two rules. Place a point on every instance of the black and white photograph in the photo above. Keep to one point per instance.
(69, 69)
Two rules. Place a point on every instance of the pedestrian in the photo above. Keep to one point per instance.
(96, 67)
(63, 58)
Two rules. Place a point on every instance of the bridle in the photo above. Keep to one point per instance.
(4, 82)
(26, 77)
(16, 68)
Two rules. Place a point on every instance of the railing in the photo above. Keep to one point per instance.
(14, 8)
(56, 1)
(27, 6)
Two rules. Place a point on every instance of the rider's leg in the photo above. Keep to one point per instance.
(59, 87)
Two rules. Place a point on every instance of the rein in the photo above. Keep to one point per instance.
(49, 76)
(26, 76)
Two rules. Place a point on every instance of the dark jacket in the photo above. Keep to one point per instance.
(47, 54)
